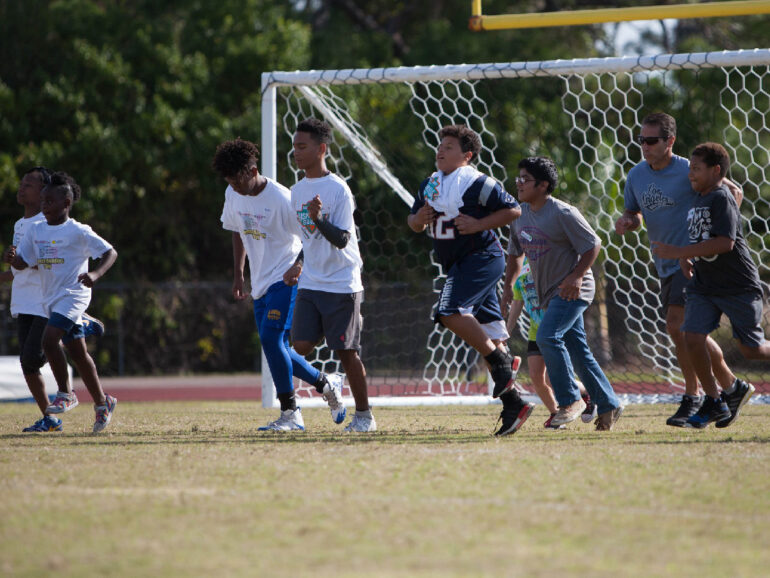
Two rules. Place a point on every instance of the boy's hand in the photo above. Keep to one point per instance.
(425, 215)
(505, 300)
(291, 277)
(314, 208)
(664, 250)
(88, 279)
(569, 289)
(9, 254)
(687, 267)
(238, 292)
(467, 225)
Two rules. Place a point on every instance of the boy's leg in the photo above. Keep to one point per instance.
(86, 368)
(356, 374)
(538, 376)
(557, 320)
(588, 369)
(31, 356)
(56, 359)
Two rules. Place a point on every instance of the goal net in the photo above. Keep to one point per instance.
(583, 114)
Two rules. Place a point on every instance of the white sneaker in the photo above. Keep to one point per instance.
(62, 402)
(333, 396)
(362, 423)
(291, 419)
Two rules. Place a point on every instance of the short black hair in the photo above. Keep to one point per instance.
(64, 184)
(543, 169)
(44, 172)
(319, 131)
(713, 154)
(469, 138)
(234, 156)
(665, 122)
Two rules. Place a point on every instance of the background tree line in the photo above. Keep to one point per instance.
(131, 98)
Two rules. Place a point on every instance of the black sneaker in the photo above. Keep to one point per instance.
(711, 410)
(735, 401)
(504, 375)
(687, 408)
(513, 416)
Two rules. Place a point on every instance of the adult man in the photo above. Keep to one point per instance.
(258, 212)
(658, 190)
(328, 271)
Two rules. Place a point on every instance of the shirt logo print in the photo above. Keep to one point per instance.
(654, 199)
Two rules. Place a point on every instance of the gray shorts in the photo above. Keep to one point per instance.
(672, 290)
(702, 314)
(334, 316)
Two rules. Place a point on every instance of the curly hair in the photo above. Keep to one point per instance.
(234, 156)
(713, 154)
(65, 184)
(319, 131)
(543, 169)
(469, 139)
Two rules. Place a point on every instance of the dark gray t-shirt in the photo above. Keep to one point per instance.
(553, 239)
(716, 215)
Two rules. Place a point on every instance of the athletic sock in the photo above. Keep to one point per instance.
(497, 357)
(288, 401)
(732, 388)
(320, 382)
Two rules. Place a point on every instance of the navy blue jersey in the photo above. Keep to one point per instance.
(484, 197)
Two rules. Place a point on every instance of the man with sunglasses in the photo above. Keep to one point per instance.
(658, 190)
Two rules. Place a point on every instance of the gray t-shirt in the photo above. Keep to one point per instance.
(553, 239)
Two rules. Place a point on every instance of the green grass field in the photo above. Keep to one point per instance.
(191, 489)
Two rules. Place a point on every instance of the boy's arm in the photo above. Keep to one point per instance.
(516, 308)
(467, 225)
(239, 265)
(706, 248)
(512, 272)
(424, 216)
(105, 262)
(332, 233)
(291, 277)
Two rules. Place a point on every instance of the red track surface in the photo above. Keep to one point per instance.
(249, 387)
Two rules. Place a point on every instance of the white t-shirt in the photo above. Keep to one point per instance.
(26, 292)
(265, 223)
(61, 253)
(326, 267)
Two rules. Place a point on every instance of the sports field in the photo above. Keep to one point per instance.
(191, 489)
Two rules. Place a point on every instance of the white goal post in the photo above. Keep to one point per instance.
(602, 101)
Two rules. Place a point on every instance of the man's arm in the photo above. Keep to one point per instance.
(735, 189)
(628, 221)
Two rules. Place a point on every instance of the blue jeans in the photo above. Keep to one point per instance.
(562, 341)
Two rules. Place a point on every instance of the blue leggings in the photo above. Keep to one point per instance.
(283, 361)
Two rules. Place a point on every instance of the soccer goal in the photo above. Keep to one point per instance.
(584, 114)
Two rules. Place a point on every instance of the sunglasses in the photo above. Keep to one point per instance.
(650, 140)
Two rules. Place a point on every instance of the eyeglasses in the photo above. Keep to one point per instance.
(650, 140)
(522, 180)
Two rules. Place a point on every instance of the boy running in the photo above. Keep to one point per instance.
(723, 280)
(461, 207)
(258, 212)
